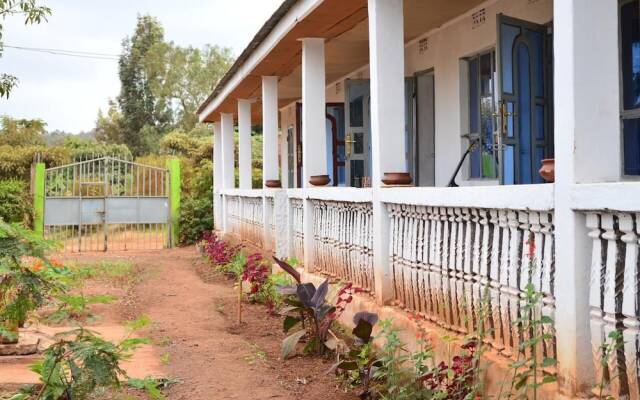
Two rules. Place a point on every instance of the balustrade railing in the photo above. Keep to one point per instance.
(614, 298)
(343, 241)
(297, 228)
(269, 203)
(234, 214)
(450, 263)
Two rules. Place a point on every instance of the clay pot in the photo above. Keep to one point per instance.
(548, 170)
(396, 178)
(273, 183)
(319, 180)
(11, 327)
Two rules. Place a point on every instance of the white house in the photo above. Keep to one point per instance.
(372, 94)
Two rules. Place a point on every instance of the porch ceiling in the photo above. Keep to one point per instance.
(344, 24)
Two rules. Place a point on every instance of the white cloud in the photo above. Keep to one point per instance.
(66, 91)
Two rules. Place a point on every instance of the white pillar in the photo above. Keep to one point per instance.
(228, 175)
(217, 176)
(314, 141)
(386, 52)
(269, 128)
(244, 143)
(585, 125)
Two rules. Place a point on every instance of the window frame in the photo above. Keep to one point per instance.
(478, 135)
(625, 114)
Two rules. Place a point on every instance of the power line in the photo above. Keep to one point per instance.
(69, 53)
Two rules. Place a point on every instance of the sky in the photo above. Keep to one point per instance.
(66, 92)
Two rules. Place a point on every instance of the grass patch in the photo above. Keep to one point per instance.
(114, 271)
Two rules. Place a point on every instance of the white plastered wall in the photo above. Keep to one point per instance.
(447, 46)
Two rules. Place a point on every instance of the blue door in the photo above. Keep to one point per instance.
(524, 110)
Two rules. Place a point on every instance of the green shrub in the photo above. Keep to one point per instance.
(15, 202)
(196, 217)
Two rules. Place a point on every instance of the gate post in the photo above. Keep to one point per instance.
(38, 199)
(173, 165)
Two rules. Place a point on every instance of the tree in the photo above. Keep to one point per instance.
(33, 14)
(110, 127)
(143, 114)
(21, 132)
(184, 77)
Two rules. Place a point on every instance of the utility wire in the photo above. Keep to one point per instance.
(69, 53)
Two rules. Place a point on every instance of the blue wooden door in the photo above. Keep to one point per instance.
(524, 103)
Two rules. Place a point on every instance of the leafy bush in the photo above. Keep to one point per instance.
(81, 362)
(15, 202)
(15, 161)
(22, 289)
(196, 217)
(76, 307)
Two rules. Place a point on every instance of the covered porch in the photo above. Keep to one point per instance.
(402, 143)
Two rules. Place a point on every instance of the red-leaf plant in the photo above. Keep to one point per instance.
(219, 251)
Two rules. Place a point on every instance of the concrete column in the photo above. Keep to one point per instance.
(314, 132)
(217, 176)
(584, 111)
(386, 51)
(270, 128)
(228, 174)
(244, 143)
(314, 142)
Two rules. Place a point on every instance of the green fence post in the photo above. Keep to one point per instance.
(38, 199)
(173, 165)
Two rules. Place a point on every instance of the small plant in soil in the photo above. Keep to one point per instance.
(361, 362)
(311, 310)
(263, 284)
(76, 308)
(218, 251)
(80, 362)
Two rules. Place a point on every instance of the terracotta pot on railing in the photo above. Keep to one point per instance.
(273, 183)
(396, 178)
(548, 170)
(319, 180)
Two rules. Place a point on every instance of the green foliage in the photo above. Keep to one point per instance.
(235, 268)
(22, 290)
(196, 217)
(15, 162)
(76, 307)
(15, 202)
(152, 386)
(32, 14)
(608, 349)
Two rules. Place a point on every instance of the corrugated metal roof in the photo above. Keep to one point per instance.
(251, 47)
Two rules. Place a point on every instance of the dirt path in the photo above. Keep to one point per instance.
(195, 336)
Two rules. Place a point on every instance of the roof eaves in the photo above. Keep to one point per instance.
(257, 40)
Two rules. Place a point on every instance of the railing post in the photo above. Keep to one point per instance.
(173, 165)
(267, 243)
(309, 239)
(38, 199)
(281, 210)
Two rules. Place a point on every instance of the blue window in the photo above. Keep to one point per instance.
(630, 100)
(482, 75)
